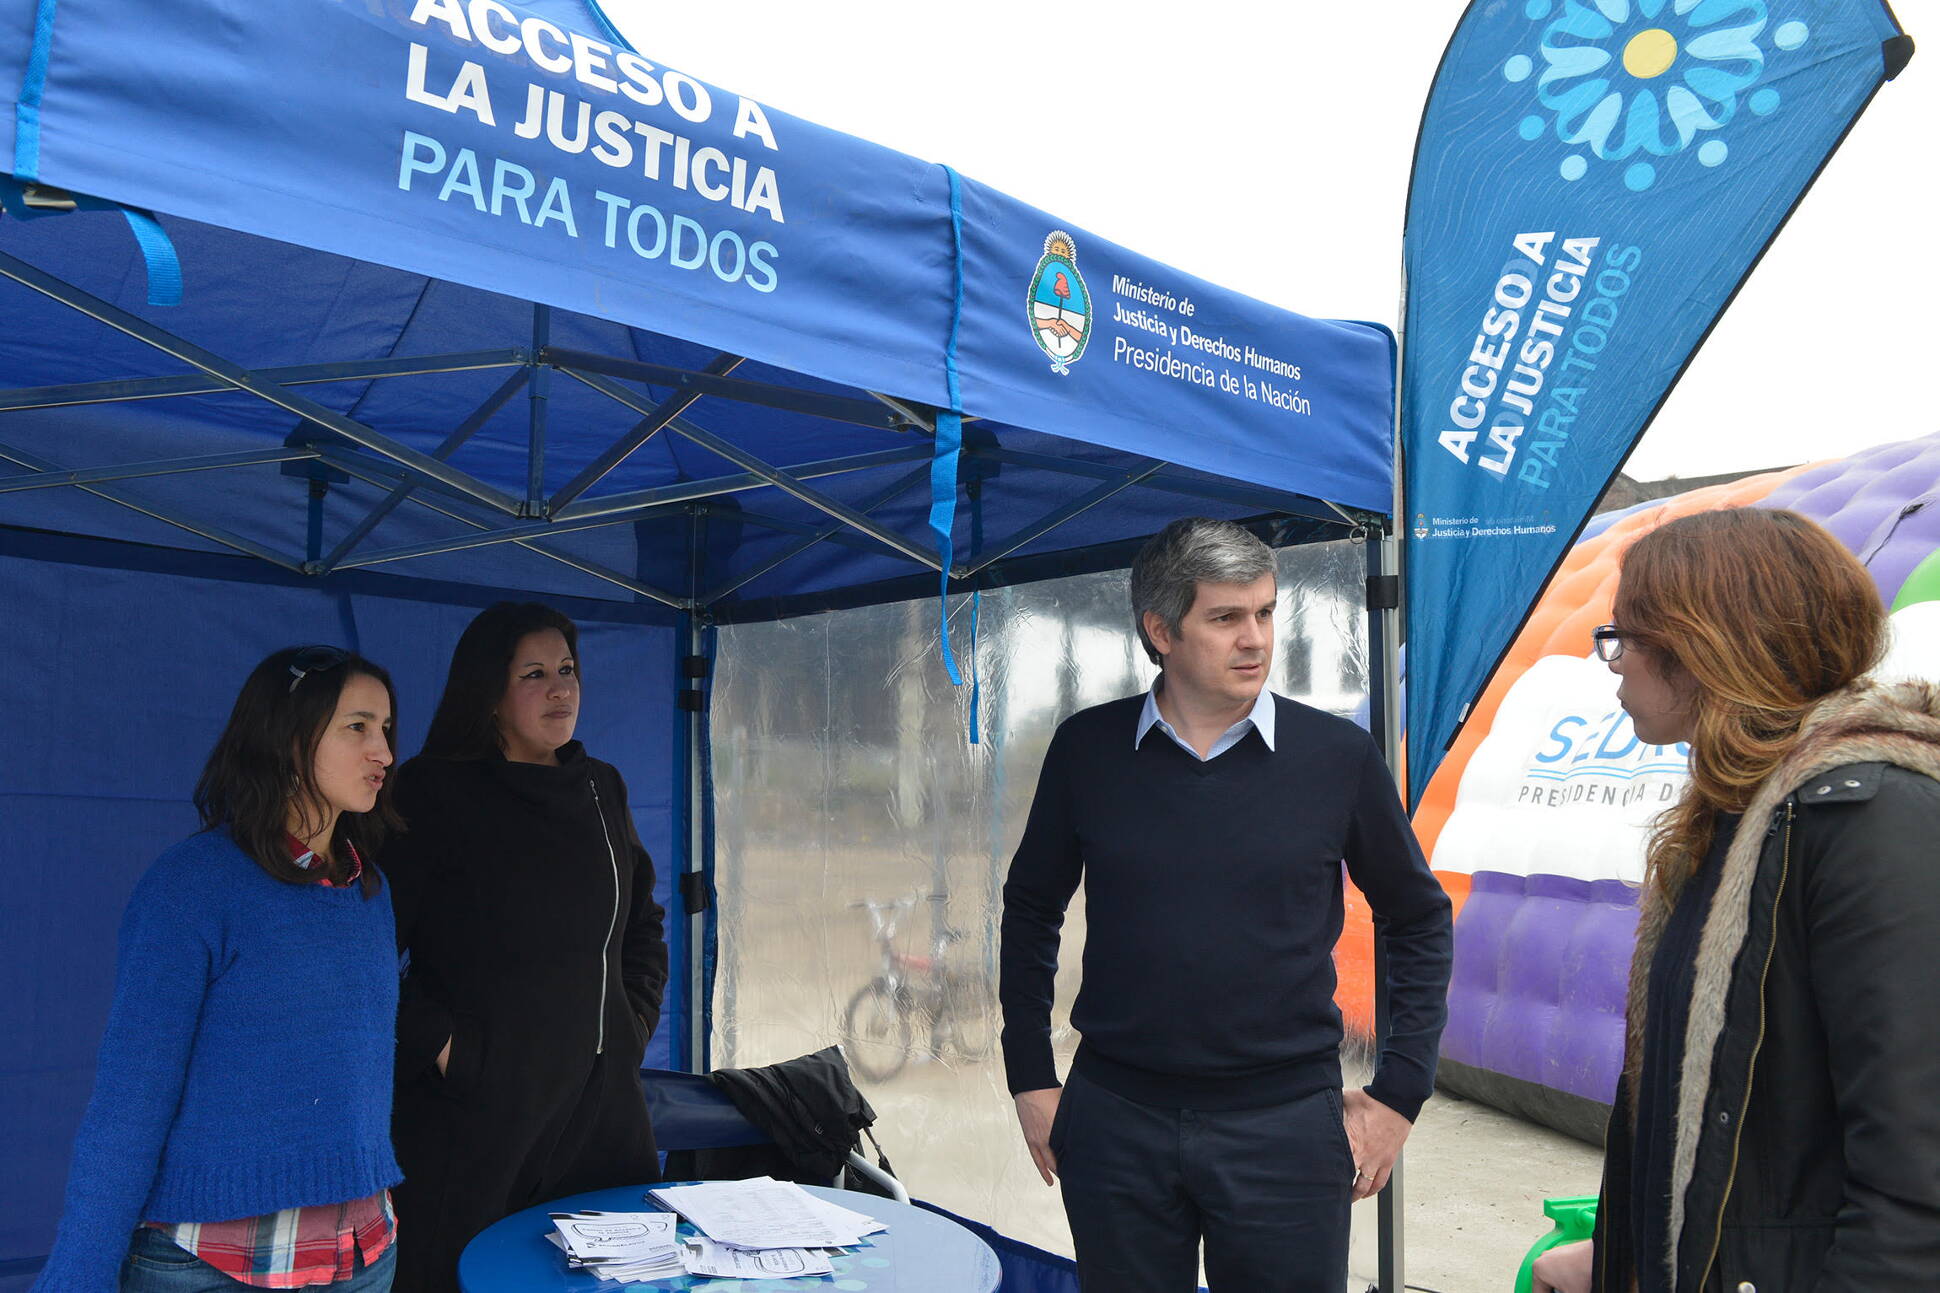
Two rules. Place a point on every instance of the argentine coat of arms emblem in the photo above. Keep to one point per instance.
(1059, 303)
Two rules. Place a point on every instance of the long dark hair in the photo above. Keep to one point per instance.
(1761, 614)
(266, 758)
(463, 727)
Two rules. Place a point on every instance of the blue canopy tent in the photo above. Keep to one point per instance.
(476, 303)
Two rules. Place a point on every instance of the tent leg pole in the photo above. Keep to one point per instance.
(700, 790)
(1384, 713)
(697, 1022)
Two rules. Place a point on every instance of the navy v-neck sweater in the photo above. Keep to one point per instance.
(1213, 899)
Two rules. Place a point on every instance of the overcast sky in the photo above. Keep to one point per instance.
(1278, 133)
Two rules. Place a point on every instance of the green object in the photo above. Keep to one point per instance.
(1923, 585)
(1575, 1219)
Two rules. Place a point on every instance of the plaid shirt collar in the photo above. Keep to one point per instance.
(306, 857)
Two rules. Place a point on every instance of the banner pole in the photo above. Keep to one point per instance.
(1385, 558)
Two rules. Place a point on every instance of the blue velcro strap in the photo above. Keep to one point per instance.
(976, 605)
(943, 512)
(976, 682)
(33, 82)
(157, 251)
(164, 266)
(949, 438)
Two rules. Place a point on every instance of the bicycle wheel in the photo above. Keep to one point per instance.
(973, 1017)
(875, 1032)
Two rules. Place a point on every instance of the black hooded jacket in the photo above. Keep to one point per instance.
(525, 908)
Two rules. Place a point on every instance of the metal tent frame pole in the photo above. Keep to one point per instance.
(42, 467)
(696, 889)
(1384, 713)
(59, 477)
(1390, 623)
(465, 430)
(337, 441)
(127, 390)
(526, 537)
(644, 430)
(771, 475)
(700, 867)
(240, 378)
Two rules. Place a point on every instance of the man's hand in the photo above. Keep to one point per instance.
(1566, 1268)
(1374, 1134)
(444, 1057)
(1035, 1110)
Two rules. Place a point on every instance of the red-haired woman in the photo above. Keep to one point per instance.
(1775, 1127)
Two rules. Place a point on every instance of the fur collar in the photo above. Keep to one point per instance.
(1868, 722)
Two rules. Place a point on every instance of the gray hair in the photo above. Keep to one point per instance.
(1191, 551)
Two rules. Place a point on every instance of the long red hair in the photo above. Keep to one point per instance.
(1760, 613)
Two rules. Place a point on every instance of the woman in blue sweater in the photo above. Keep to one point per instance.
(239, 1132)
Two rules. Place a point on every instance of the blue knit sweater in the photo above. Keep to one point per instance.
(246, 1066)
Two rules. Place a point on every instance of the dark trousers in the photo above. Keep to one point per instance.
(1267, 1190)
(473, 1154)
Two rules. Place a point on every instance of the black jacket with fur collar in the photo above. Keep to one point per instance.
(1807, 1150)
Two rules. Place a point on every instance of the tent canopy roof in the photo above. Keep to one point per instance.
(668, 345)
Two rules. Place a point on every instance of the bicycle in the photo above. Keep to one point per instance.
(878, 1024)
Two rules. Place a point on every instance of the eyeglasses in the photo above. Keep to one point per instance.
(314, 659)
(1608, 640)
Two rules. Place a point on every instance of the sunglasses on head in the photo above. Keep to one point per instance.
(314, 659)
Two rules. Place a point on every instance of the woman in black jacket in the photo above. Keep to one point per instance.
(1776, 1126)
(535, 954)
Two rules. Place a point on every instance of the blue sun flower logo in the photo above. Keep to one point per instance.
(1638, 81)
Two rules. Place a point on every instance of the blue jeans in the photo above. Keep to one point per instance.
(156, 1264)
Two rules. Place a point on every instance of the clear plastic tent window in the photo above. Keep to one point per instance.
(862, 842)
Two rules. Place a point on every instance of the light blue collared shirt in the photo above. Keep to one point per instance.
(1259, 719)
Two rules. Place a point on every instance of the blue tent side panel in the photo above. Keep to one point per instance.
(121, 665)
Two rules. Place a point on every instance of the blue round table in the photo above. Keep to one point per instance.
(919, 1253)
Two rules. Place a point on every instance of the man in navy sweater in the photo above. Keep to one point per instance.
(1209, 820)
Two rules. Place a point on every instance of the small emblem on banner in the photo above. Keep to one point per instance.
(1059, 303)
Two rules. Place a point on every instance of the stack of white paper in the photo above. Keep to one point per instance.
(761, 1213)
(851, 1226)
(702, 1256)
(761, 1228)
(627, 1247)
